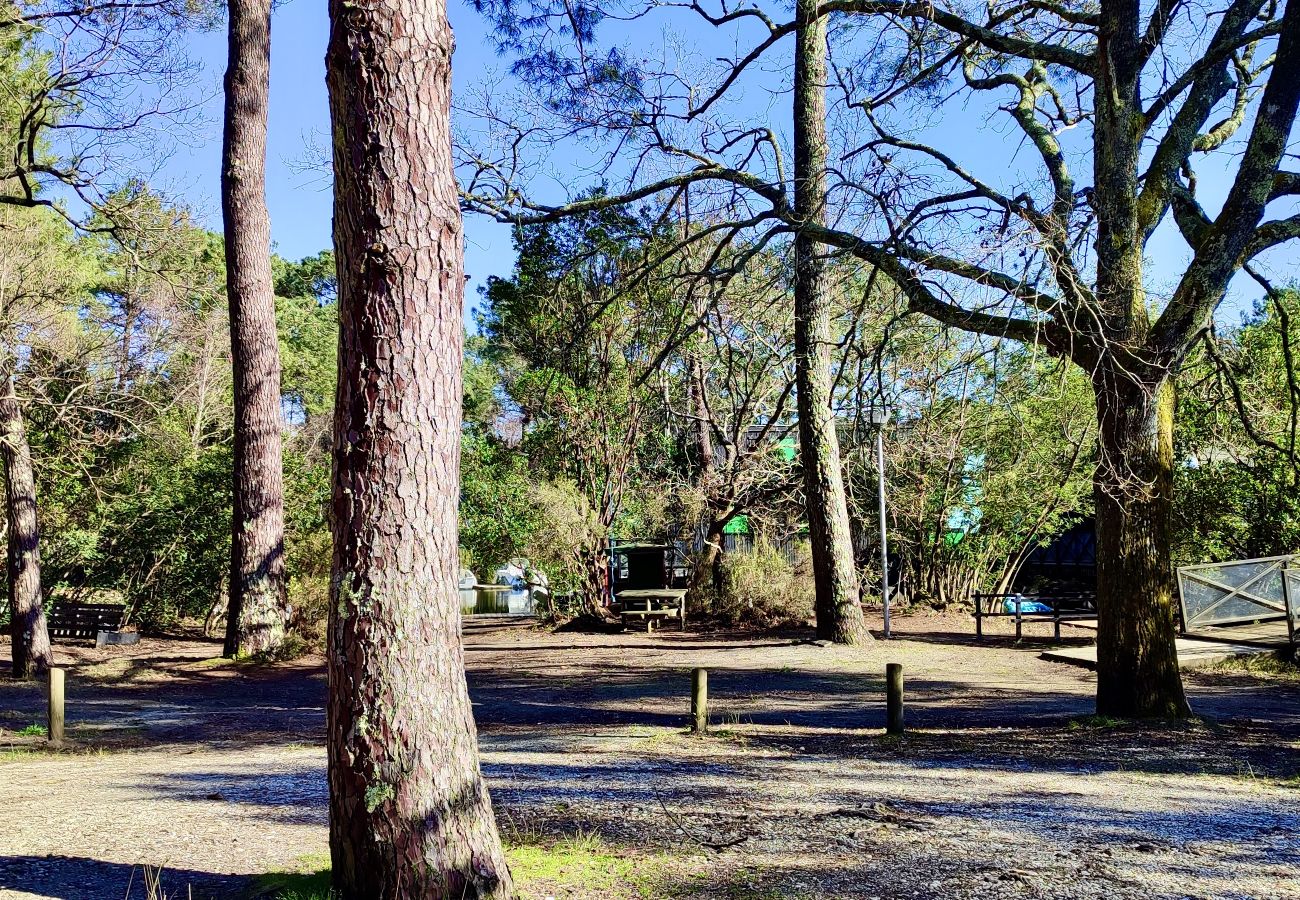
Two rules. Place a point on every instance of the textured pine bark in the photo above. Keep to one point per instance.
(838, 606)
(1137, 660)
(32, 655)
(410, 815)
(256, 618)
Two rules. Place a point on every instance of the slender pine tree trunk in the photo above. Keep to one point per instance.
(410, 815)
(256, 618)
(838, 604)
(32, 655)
(708, 564)
(1137, 661)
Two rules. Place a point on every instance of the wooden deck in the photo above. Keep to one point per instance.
(1266, 635)
(1191, 653)
(1202, 647)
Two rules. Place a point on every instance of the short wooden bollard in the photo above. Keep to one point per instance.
(894, 691)
(55, 732)
(700, 700)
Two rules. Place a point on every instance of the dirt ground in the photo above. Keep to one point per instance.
(1003, 787)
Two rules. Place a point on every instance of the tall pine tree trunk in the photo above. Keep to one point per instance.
(31, 638)
(256, 617)
(410, 815)
(838, 606)
(1137, 661)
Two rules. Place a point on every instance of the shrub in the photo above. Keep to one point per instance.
(766, 586)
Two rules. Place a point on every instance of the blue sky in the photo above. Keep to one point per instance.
(300, 202)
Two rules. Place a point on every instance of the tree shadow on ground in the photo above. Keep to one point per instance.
(1068, 746)
(1069, 638)
(80, 878)
(556, 688)
(1018, 845)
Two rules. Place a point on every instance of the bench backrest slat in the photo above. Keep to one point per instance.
(78, 621)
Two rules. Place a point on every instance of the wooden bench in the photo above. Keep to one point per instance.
(651, 604)
(1063, 608)
(84, 621)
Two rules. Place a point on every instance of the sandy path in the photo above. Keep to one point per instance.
(582, 734)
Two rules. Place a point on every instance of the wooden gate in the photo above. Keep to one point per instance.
(1240, 591)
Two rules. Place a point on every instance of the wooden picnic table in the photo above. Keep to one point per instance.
(650, 604)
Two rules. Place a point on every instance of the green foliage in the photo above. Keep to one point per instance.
(481, 403)
(989, 456)
(1238, 490)
(765, 586)
(121, 363)
(560, 382)
(306, 315)
(312, 276)
(498, 512)
(309, 337)
(165, 535)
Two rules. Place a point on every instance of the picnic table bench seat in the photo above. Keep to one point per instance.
(649, 605)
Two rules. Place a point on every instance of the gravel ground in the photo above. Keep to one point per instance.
(1000, 789)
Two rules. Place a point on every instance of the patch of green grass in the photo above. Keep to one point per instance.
(1094, 723)
(33, 730)
(1261, 665)
(16, 754)
(582, 860)
(217, 662)
(19, 754)
(648, 737)
(310, 880)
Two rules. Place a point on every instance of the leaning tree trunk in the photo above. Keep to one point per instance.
(838, 605)
(410, 815)
(593, 561)
(31, 638)
(1137, 661)
(255, 621)
(708, 562)
(706, 577)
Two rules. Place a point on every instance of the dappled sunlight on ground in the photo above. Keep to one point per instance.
(1005, 786)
